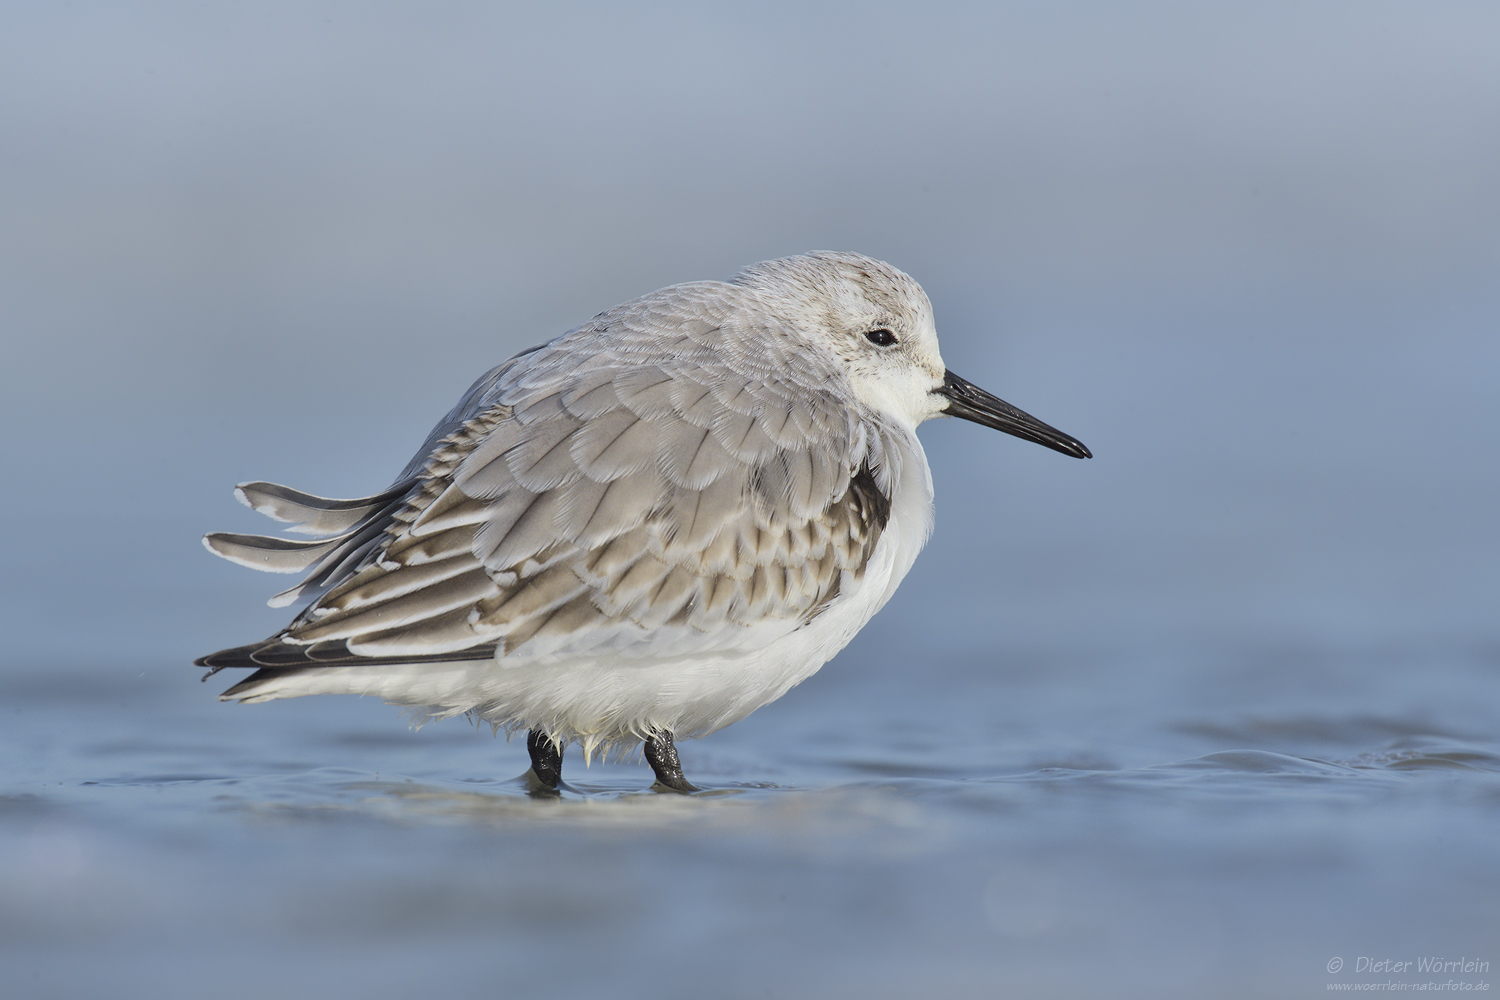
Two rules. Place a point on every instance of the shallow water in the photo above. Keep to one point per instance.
(1098, 823)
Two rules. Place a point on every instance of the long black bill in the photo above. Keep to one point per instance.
(967, 400)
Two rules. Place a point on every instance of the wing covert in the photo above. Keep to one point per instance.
(675, 503)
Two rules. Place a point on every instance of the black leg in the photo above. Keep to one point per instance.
(546, 759)
(662, 756)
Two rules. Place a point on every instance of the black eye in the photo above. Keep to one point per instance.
(881, 337)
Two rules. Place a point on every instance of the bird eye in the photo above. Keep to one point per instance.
(881, 337)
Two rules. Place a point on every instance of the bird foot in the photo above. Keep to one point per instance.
(546, 764)
(661, 754)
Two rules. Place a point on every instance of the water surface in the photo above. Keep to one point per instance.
(1095, 824)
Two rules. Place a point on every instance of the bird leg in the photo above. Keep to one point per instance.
(546, 758)
(662, 756)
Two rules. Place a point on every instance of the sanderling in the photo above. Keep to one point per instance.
(641, 531)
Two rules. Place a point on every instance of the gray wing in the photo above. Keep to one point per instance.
(616, 491)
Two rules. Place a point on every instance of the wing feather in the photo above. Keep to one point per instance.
(454, 508)
(269, 553)
(540, 461)
(626, 505)
(646, 391)
(507, 541)
(619, 446)
(451, 632)
(311, 515)
(693, 399)
(547, 591)
(576, 503)
(414, 550)
(452, 593)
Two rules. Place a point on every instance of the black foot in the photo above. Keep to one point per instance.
(546, 759)
(662, 756)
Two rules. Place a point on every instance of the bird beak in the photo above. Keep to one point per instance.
(967, 400)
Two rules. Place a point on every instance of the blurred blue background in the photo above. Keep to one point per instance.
(1250, 254)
